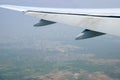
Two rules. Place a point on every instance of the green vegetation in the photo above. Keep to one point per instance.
(29, 64)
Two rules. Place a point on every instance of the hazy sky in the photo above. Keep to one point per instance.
(14, 24)
(66, 3)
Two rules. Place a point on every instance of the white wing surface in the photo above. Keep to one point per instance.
(95, 21)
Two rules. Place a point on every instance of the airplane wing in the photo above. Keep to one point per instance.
(96, 22)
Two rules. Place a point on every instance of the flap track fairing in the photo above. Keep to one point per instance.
(88, 34)
(43, 22)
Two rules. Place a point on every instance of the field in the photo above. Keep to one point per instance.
(45, 65)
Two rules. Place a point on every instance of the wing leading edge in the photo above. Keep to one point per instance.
(96, 21)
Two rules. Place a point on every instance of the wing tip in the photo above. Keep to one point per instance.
(13, 7)
(2, 6)
(5, 5)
